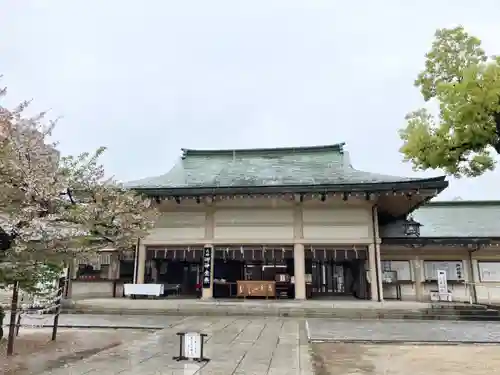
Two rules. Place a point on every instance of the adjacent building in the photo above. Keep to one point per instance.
(306, 221)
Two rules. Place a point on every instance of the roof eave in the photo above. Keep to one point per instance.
(445, 240)
(438, 184)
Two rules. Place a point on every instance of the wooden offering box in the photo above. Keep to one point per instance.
(256, 288)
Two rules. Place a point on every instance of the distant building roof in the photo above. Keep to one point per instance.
(453, 219)
(264, 167)
(459, 219)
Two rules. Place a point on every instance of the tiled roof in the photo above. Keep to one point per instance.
(317, 165)
(453, 219)
(459, 219)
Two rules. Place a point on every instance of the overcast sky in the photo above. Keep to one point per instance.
(147, 78)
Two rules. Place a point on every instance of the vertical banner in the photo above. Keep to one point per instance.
(442, 282)
(207, 267)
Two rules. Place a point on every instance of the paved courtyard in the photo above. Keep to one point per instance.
(438, 331)
(278, 346)
(318, 328)
(269, 346)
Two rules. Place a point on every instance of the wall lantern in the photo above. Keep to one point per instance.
(412, 227)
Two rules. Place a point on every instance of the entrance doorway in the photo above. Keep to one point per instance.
(180, 278)
(178, 269)
(329, 278)
(337, 273)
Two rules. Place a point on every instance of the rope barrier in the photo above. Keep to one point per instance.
(36, 312)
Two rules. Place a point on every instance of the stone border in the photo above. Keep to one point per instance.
(391, 342)
(401, 342)
(92, 326)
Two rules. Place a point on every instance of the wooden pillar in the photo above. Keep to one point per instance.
(418, 277)
(299, 271)
(208, 293)
(372, 272)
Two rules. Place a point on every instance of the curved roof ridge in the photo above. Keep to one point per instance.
(347, 165)
(337, 147)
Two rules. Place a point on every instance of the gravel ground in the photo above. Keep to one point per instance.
(34, 352)
(385, 359)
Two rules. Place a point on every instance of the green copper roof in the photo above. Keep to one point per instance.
(459, 219)
(317, 165)
(454, 219)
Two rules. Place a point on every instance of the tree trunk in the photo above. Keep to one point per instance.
(496, 146)
(13, 316)
(58, 309)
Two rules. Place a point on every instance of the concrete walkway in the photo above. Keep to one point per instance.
(235, 346)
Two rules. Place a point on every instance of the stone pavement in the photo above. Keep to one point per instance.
(263, 346)
(319, 328)
(434, 331)
(98, 321)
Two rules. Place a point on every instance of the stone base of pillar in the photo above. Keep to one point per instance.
(207, 294)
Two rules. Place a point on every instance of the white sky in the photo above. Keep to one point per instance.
(146, 78)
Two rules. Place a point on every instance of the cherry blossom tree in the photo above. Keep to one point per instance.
(56, 208)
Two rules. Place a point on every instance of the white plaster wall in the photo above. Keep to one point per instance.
(91, 289)
(487, 292)
(241, 225)
(349, 225)
(178, 226)
(225, 222)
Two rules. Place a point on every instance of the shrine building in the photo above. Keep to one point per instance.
(304, 223)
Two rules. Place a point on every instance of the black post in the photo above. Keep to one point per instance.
(180, 357)
(18, 324)
(58, 310)
(136, 261)
(12, 323)
(67, 284)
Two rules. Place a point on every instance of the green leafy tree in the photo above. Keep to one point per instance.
(463, 138)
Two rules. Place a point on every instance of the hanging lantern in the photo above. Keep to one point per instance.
(412, 227)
